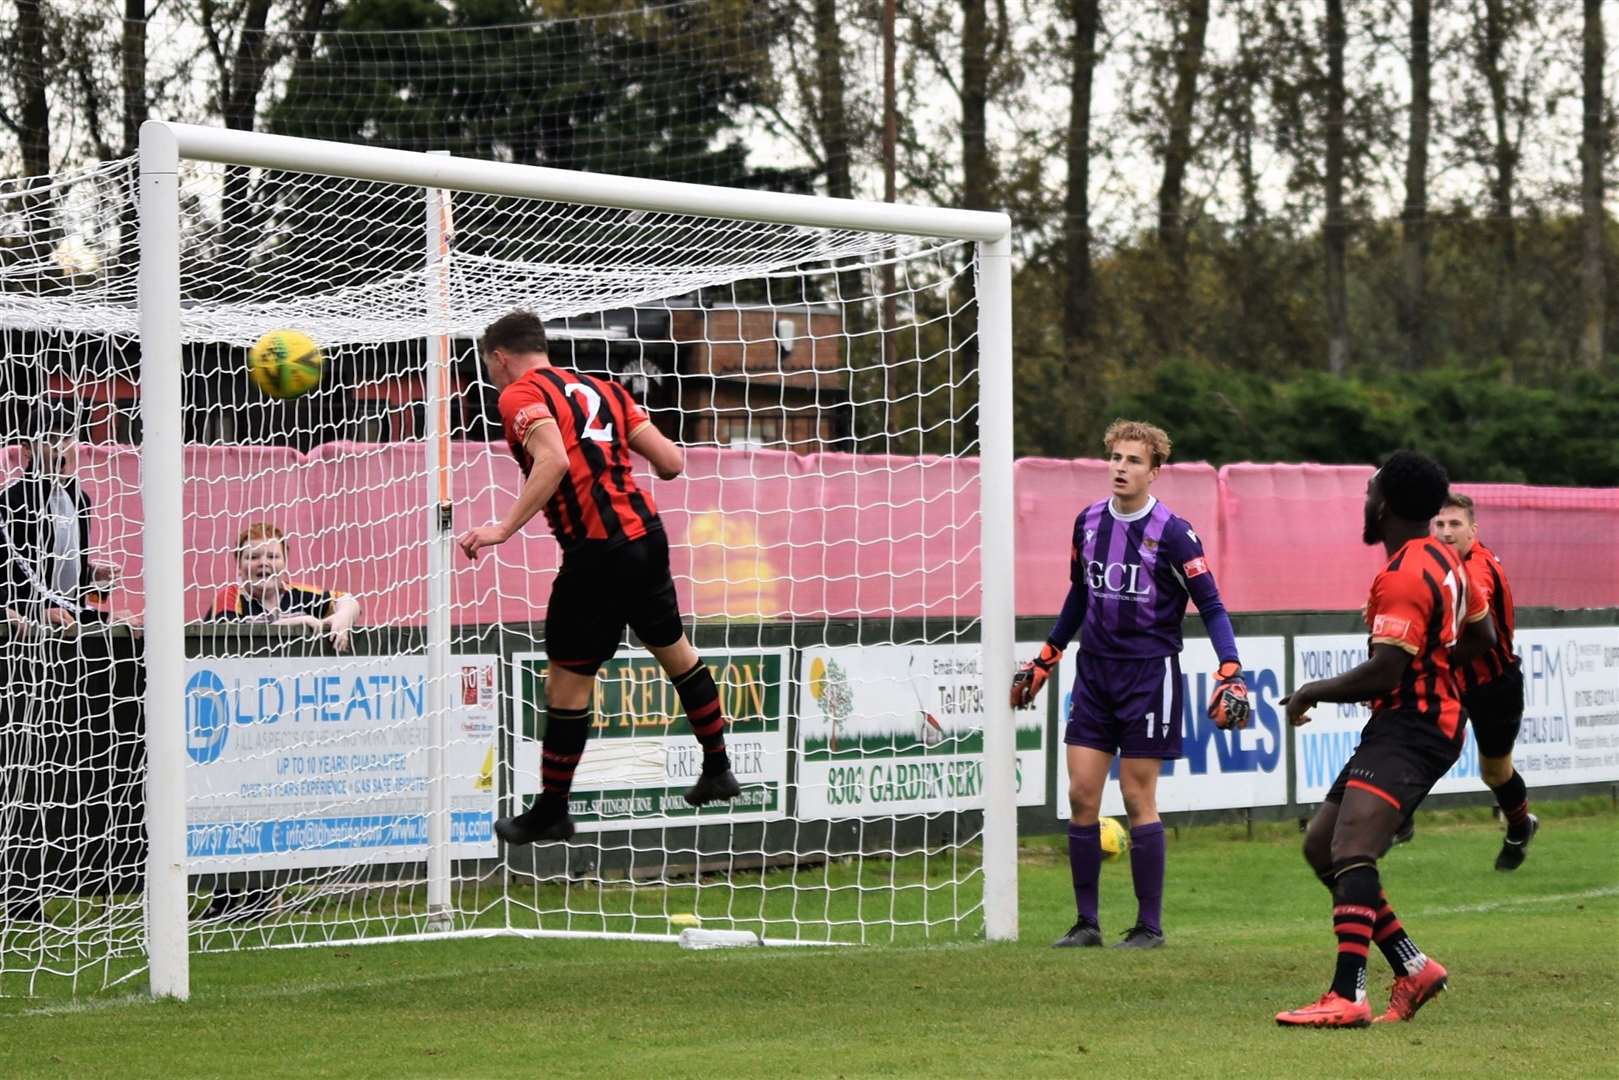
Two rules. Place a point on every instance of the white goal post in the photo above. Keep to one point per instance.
(164, 147)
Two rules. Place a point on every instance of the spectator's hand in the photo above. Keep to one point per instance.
(18, 622)
(55, 616)
(104, 575)
(475, 540)
(307, 621)
(345, 612)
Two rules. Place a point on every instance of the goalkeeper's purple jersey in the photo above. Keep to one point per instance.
(1134, 575)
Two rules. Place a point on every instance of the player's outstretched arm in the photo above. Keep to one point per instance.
(550, 457)
(667, 459)
(1376, 675)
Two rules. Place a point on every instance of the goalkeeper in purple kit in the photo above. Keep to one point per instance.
(1133, 566)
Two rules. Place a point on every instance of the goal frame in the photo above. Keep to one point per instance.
(163, 145)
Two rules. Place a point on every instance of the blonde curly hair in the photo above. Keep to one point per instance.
(1155, 438)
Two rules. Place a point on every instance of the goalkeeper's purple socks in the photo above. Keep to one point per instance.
(1147, 873)
(1085, 864)
(701, 700)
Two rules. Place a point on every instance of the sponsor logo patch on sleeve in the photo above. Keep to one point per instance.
(526, 418)
(1387, 626)
(1194, 567)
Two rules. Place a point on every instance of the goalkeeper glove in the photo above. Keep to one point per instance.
(1228, 706)
(1032, 676)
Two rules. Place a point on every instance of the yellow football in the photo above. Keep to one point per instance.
(285, 363)
(1115, 838)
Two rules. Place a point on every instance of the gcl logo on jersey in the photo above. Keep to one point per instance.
(1117, 577)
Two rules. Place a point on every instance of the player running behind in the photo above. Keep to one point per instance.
(1417, 610)
(1132, 566)
(572, 435)
(1492, 685)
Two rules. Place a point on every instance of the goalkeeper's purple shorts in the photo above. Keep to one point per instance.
(1128, 707)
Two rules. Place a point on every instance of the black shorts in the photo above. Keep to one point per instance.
(598, 593)
(1400, 758)
(1495, 710)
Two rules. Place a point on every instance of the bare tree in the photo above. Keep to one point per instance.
(235, 33)
(1335, 230)
(243, 51)
(816, 105)
(1077, 303)
(31, 76)
(833, 118)
(1188, 65)
(982, 47)
(1414, 216)
(132, 50)
(1593, 285)
(1496, 112)
(30, 119)
(1491, 34)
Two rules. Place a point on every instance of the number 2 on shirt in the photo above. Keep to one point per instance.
(593, 404)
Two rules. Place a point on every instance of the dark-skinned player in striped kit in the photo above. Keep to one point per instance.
(1423, 621)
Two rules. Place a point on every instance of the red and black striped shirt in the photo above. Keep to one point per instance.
(598, 501)
(1418, 603)
(235, 602)
(1489, 581)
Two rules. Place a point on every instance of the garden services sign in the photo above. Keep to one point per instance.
(899, 729)
(302, 762)
(1570, 732)
(1218, 770)
(642, 756)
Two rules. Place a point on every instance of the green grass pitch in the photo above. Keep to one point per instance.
(1533, 956)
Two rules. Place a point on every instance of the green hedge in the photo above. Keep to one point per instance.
(1479, 424)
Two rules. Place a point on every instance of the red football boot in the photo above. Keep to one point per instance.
(1412, 992)
(1331, 1011)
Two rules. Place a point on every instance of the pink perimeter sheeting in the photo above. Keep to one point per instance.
(762, 535)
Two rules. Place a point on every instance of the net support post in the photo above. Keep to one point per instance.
(997, 603)
(163, 573)
(440, 532)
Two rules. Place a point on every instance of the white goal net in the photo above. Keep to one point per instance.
(336, 709)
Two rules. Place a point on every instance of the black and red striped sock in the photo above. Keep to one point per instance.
(701, 699)
(565, 733)
(1513, 798)
(1398, 948)
(1354, 912)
